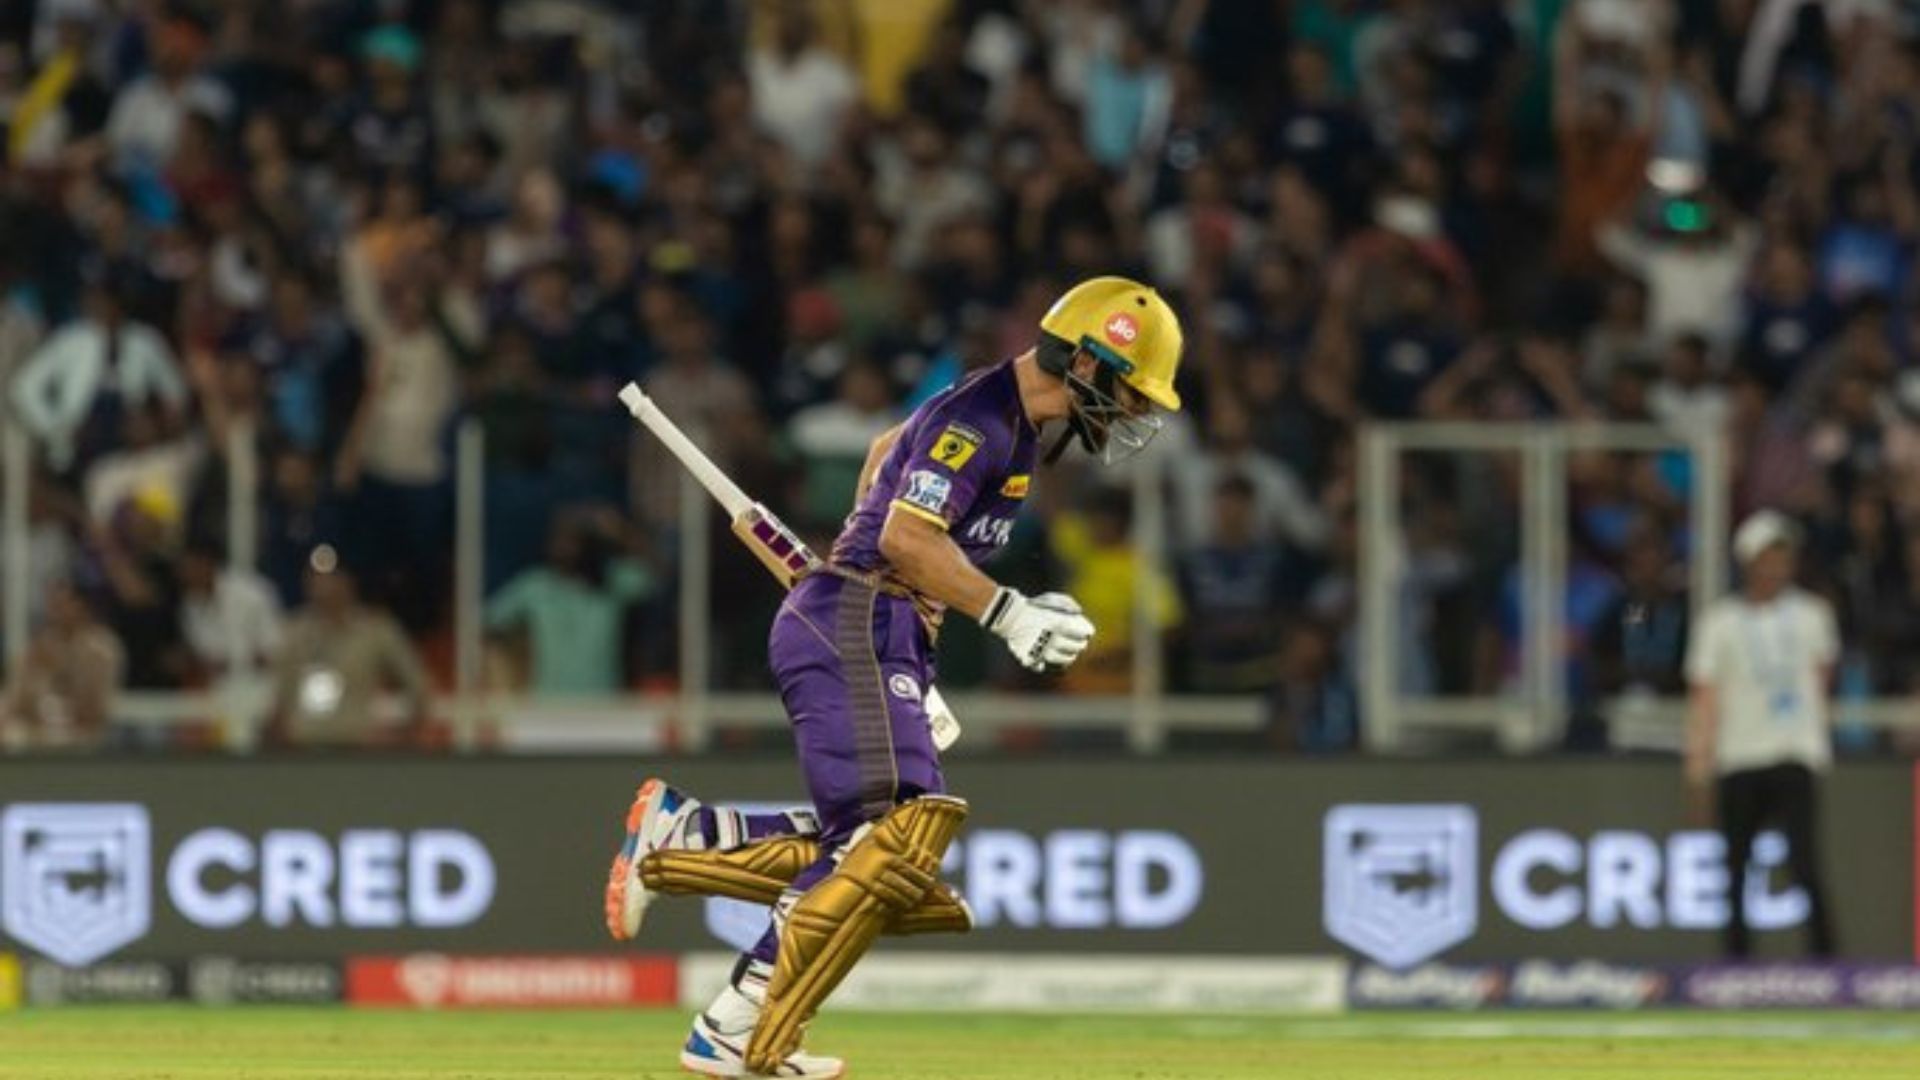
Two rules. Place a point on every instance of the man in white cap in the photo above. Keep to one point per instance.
(1760, 664)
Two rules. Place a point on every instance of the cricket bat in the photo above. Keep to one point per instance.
(784, 554)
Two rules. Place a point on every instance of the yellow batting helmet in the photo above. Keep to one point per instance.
(1127, 326)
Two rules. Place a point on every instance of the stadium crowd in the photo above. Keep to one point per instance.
(337, 228)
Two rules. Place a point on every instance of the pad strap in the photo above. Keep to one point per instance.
(759, 872)
(755, 873)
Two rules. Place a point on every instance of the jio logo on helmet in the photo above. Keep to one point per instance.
(1121, 329)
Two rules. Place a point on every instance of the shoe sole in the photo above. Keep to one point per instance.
(686, 1067)
(623, 884)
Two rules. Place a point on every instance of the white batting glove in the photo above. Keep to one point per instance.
(1043, 632)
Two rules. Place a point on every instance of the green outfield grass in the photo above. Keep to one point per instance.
(124, 1043)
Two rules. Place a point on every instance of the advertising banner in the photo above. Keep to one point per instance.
(1395, 864)
(1590, 984)
(993, 982)
(432, 981)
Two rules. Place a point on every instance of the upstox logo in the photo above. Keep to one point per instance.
(1399, 880)
(74, 878)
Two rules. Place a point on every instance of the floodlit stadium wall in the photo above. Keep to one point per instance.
(1293, 885)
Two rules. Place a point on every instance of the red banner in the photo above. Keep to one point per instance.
(433, 981)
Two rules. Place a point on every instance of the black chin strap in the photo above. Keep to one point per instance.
(1066, 436)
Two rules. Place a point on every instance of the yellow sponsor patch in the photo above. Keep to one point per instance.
(955, 446)
(1016, 486)
(9, 982)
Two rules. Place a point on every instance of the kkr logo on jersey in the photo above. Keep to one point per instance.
(956, 446)
(991, 530)
(1016, 486)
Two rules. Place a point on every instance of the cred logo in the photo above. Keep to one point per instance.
(1121, 329)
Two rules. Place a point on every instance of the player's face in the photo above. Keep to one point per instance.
(1121, 421)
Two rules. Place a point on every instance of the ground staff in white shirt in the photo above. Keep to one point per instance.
(1760, 664)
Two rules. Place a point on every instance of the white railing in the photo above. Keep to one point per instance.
(1531, 719)
(1535, 716)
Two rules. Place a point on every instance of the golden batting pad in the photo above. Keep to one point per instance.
(759, 872)
(888, 871)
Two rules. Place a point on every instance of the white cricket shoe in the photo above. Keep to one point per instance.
(658, 818)
(717, 1045)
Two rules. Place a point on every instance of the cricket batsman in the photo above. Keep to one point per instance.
(852, 652)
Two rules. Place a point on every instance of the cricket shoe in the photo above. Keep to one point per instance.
(717, 1045)
(658, 818)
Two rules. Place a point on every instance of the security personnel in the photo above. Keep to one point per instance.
(1760, 664)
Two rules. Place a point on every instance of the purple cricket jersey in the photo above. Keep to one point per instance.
(963, 461)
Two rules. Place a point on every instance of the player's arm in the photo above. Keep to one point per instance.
(876, 453)
(925, 558)
(1044, 632)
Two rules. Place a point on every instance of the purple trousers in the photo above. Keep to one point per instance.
(853, 666)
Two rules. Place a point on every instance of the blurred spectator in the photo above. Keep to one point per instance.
(1127, 99)
(391, 131)
(230, 615)
(1693, 266)
(66, 101)
(1103, 570)
(1202, 229)
(572, 610)
(922, 188)
(1618, 339)
(1786, 318)
(1237, 590)
(802, 93)
(394, 458)
(1282, 507)
(148, 461)
(701, 391)
(868, 292)
(947, 88)
(136, 558)
(69, 391)
(1312, 706)
(530, 233)
(68, 678)
(1686, 399)
(299, 516)
(1862, 348)
(1603, 147)
(833, 439)
(21, 325)
(1639, 646)
(149, 112)
(312, 363)
(338, 656)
